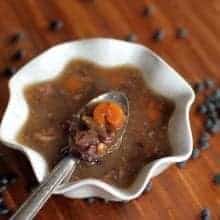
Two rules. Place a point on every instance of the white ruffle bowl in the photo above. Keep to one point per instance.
(163, 79)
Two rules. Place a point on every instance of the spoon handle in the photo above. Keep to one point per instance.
(42, 193)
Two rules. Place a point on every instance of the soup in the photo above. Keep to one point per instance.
(52, 104)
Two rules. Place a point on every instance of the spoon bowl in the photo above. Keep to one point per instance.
(113, 96)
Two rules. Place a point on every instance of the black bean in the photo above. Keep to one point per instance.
(216, 127)
(203, 109)
(203, 145)
(206, 217)
(9, 71)
(106, 201)
(213, 115)
(195, 153)
(210, 98)
(148, 187)
(217, 104)
(3, 180)
(1, 199)
(90, 200)
(2, 188)
(18, 55)
(158, 35)
(56, 25)
(216, 179)
(181, 32)
(16, 37)
(209, 84)
(8, 178)
(148, 10)
(181, 164)
(32, 185)
(131, 37)
(210, 106)
(204, 141)
(205, 214)
(11, 178)
(216, 94)
(199, 87)
(123, 202)
(205, 136)
(209, 124)
(3, 209)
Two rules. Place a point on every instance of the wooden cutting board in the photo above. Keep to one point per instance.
(176, 194)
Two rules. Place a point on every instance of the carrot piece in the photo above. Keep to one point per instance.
(115, 115)
(73, 83)
(109, 112)
(99, 113)
(153, 111)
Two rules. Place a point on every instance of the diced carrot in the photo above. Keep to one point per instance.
(99, 113)
(109, 112)
(115, 115)
(73, 83)
(153, 111)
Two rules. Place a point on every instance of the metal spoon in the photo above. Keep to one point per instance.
(67, 165)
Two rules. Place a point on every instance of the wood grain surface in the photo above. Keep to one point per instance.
(178, 194)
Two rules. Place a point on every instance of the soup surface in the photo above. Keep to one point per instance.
(52, 104)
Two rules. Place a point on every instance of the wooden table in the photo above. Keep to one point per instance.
(178, 193)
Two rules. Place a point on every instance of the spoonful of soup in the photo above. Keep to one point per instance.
(96, 130)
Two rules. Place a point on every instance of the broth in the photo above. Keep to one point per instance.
(53, 102)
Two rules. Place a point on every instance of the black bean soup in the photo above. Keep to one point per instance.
(53, 103)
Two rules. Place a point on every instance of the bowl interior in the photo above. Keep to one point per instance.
(106, 52)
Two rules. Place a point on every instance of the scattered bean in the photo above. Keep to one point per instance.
(106, 201)
(181, 32)
(90, 200)
(158, 35)
(2, 188)
(210, 107)
(209, 124)
(203, 144)
(148, 187)
(32, 185)
(213, 115)
(202, 109)
(205, 214)
(199, 87)
(3, 180)
(3, 209)
(18, 55)
(209, 84)
(216, 179)
(181, 164)
(9, 71)
(195, 153)
(216, 128)
(56, 25)
(148, 10)
(205, 136)
(11, 178)
(216, 94)
(16, 37)
(131, 37)
(8, 178)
